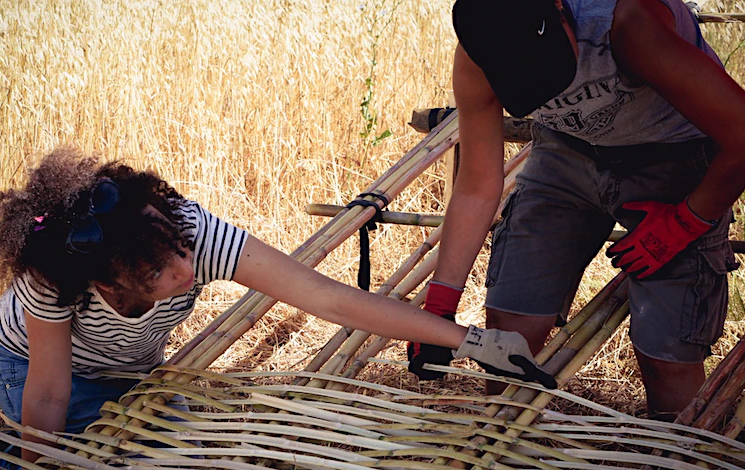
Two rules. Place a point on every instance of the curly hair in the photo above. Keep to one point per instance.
(35, 222)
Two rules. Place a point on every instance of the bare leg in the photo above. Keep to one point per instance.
(670, 386)
(535, 329)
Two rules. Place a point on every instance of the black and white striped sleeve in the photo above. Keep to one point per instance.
(39, 300)
(218, 244)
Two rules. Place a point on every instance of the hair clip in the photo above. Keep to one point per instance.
(39, 219)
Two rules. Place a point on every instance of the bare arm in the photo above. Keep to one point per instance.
(478, 187)
(46, 393)
(281, 277)
(692, 83)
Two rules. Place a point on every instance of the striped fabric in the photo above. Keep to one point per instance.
(101, 338)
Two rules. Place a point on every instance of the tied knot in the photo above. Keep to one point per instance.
(363, 276)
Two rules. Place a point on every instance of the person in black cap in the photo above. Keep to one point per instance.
(636, 122)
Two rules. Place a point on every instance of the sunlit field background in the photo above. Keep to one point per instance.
(257, 108)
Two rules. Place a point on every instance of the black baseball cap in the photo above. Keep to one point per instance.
(521, 46)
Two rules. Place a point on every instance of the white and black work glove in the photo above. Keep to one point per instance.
(504, 353)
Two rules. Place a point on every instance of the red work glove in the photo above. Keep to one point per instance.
(442, 300)
(665, 231)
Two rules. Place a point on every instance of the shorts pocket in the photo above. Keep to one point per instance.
(705, 308)
(497, 248)
(12, 380)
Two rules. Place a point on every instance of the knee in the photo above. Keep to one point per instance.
(656, 368)
(517, 322)
(535, 329)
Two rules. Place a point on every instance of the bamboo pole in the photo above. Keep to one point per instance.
(716, 396)
(514, 129)
(722, 400)
(579, 359)
(377, 345)
(429, 220)
(318, 242)
(736, 423)
(405, 286)
(587, 339)
(399, 218)
(571, 338)
(721, 17)
(312, 242)
(424, 270)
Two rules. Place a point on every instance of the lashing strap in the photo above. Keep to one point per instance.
(363, 276)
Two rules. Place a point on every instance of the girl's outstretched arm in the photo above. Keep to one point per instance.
(279, 276)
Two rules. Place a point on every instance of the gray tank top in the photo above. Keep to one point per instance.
(605, 108)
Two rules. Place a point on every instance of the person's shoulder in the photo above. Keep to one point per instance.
(182, 204)
(39, 298)
(187, 209)
(628, 13)
(34, 285)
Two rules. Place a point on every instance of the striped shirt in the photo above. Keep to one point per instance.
(101, 338)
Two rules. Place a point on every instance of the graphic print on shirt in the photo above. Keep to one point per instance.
(565, 113)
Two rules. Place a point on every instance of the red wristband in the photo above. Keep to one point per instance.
(442, 299)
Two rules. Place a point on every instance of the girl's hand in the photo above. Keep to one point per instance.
(503, 353)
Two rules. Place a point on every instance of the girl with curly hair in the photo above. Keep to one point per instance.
(103, 262)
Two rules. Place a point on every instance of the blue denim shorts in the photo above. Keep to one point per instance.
(559, 216)
(86, 397)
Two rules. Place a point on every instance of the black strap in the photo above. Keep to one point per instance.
(432, 118)
(363, 276)
(437, 115)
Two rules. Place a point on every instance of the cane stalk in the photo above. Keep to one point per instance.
(386, 289)
(736, 424)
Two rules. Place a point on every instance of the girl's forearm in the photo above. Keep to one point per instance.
(391, 318)
(44, 413)
(277, 275)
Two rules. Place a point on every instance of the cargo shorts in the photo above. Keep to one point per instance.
(564, 206)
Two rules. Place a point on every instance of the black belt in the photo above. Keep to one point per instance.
(630, 157)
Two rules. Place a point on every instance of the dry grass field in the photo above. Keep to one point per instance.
(257, 108)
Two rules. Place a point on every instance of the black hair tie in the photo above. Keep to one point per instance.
(363, 276)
